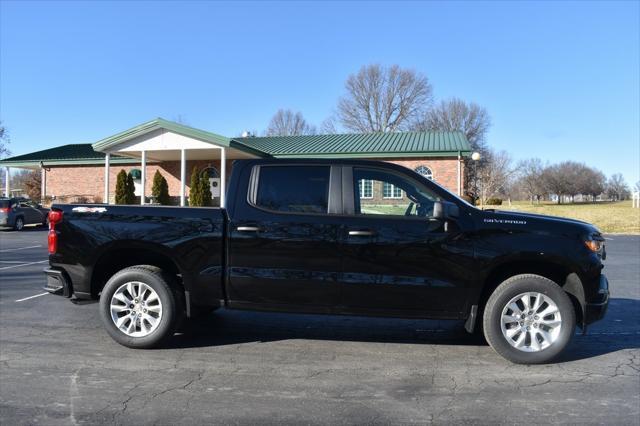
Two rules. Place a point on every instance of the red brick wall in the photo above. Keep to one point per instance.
(445, 169)
(68, 183)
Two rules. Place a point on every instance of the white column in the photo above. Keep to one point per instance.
(143, 176)
(183, 174)
(106, 178)
(223, 177)
(459, 175)
(43, 184)
(6, 182)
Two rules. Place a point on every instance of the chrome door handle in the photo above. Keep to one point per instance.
(248, 229)
(361, 233)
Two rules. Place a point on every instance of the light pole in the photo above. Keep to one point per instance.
(476, 157)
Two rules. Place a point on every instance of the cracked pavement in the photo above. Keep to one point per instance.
(58, 366)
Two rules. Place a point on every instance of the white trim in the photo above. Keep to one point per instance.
(393, 190)
(431, 177)
(7, 188)
(362, 196)
(459, 174)
(183, 174)
(143, 176)
(107, 158)
(43, 184)
(223, 177)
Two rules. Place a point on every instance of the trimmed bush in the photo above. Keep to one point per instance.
(195, 188)
(121, 187)
(160, 189)
(205, 189)
(125, 189)
(131, 190)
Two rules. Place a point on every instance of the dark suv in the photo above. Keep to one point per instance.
(17, 212)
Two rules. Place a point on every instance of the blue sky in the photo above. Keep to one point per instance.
(560, 80)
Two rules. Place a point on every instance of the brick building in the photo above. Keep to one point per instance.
(87, 172)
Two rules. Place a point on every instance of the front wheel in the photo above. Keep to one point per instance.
(529, 319)
(19, 225)
(139, 309)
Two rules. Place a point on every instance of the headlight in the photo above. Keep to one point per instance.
(594, 246)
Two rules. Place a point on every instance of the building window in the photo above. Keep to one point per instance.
(366, 188)
(425, 171)
(391, 191)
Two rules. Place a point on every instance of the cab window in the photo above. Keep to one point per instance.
(294, 189)
(390, 194)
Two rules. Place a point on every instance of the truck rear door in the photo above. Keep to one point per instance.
(283, 237)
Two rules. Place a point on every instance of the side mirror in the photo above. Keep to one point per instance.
(445, 210)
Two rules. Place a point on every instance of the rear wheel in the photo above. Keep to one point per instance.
(139, 308)
(19, 225)
(529, 319)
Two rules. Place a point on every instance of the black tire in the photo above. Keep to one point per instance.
(510, 289)
(164, 286)
(19, 224)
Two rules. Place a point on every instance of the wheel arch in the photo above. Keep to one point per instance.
(119, 256)
(563, 274)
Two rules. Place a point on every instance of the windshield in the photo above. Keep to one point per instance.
(4, 204)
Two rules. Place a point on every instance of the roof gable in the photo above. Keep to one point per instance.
(160, 123)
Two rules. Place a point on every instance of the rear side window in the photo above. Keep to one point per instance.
(294, 189)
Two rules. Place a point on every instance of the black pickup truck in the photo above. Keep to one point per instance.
(333, 237)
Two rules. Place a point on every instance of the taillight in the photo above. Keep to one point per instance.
(53, 241)
(55, 216)
(4, 209)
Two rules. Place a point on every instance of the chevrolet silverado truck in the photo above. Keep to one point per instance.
(333, 237)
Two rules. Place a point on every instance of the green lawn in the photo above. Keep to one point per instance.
(612, 218)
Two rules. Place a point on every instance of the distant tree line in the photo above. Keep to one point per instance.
(533, 180)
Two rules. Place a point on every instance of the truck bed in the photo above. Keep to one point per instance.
(95, 239)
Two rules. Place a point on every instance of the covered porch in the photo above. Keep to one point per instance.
(172, 147)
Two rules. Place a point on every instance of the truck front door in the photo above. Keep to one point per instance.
(284, 238)
(397, 257)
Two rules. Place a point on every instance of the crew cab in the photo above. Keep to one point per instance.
(333, 237)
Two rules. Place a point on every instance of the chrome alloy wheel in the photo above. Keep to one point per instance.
(531, 322)
(136, 309)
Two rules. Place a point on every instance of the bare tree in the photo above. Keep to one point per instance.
(530, 178)
(28, 182)
(555, 181)
(457, 115)
(495, 175)
(383, 99)
(329, 126)
(591, 182)
(4, 141)
(469, 118)
(617, 188)
(289, 123)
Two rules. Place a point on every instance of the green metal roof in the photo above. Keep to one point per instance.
(364, 145)
(405, 144)
(66, 154)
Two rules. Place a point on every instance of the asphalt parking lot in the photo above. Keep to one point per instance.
(58, 366)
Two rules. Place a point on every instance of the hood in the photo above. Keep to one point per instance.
(535, 222)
